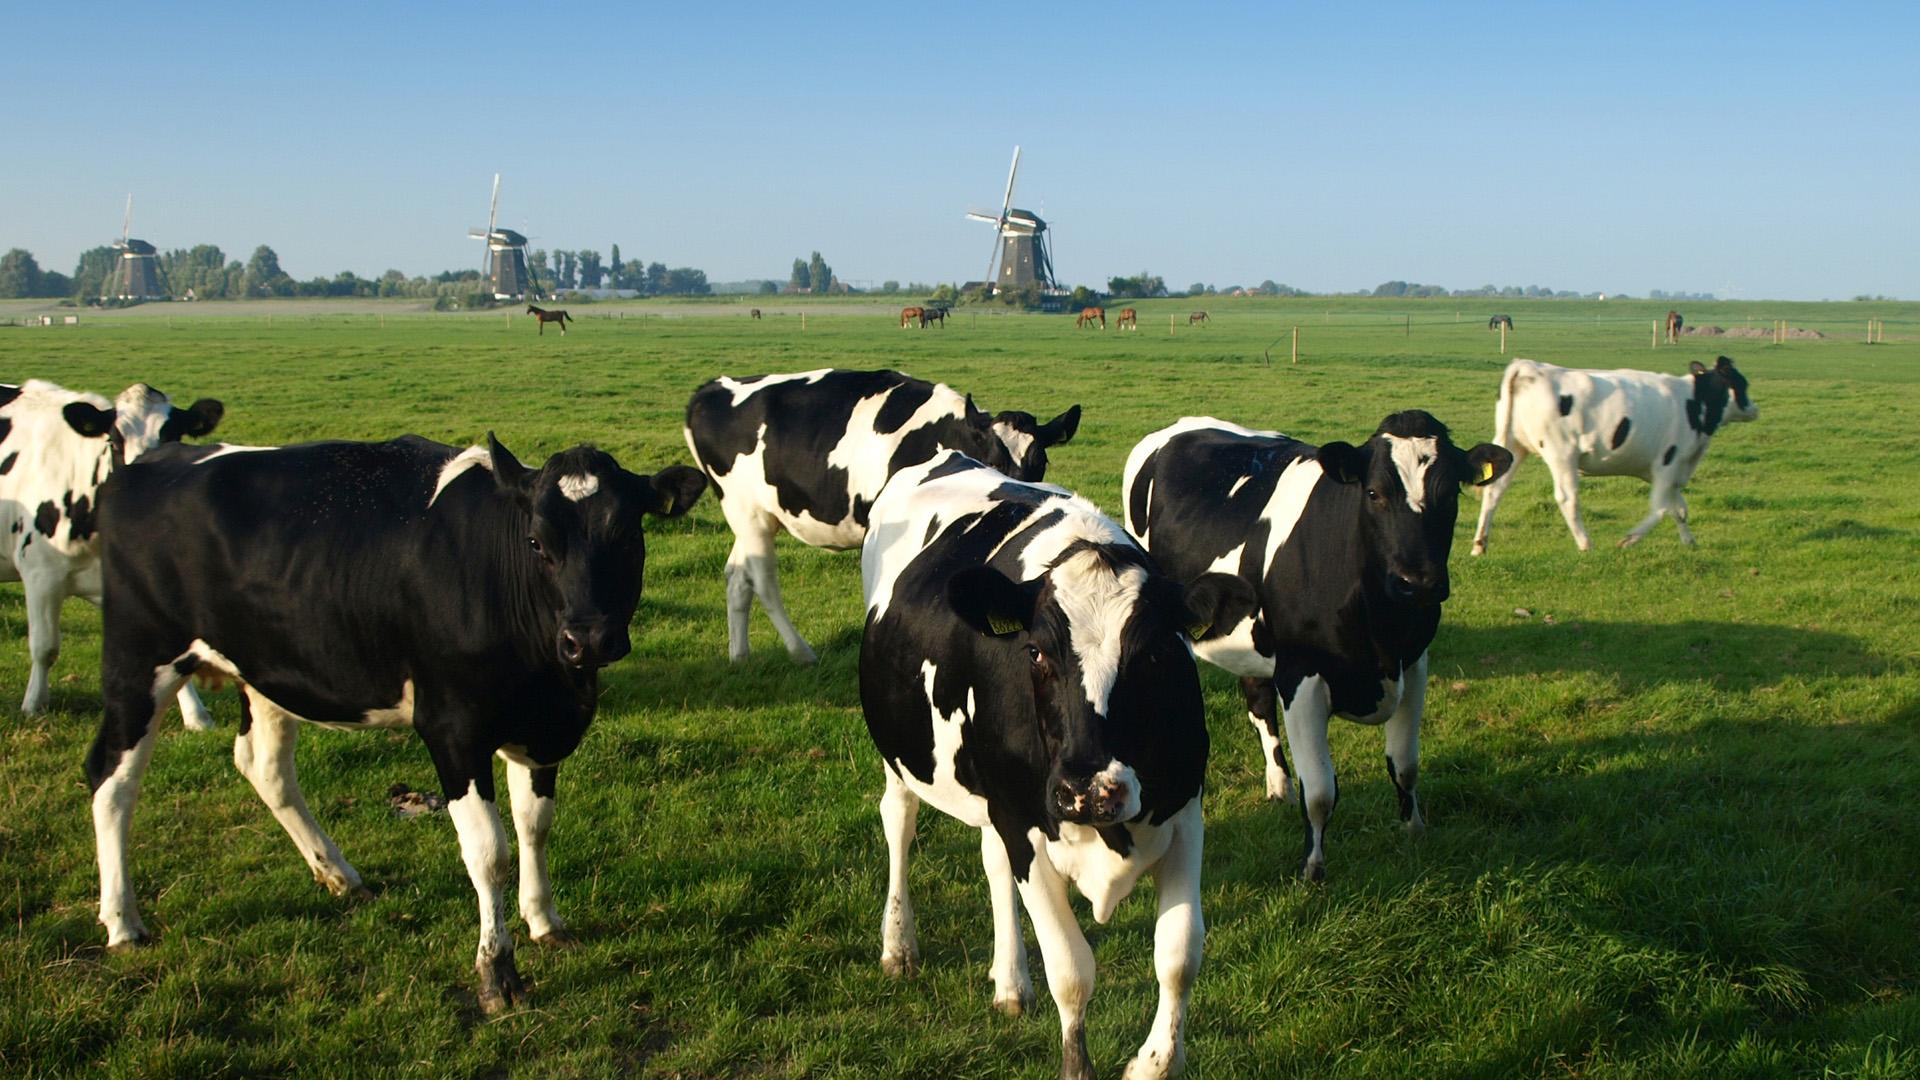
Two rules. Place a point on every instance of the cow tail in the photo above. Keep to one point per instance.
(1503, 409)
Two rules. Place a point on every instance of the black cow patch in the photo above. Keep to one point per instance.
(47, 518)
(6, 426)
(7, 394)
(80, 514)
(1566, 404)
(1620, 433)
(1668, 459)
(6, 464)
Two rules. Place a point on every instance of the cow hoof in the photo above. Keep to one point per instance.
(1153, 1067)
(345, 888)
(557, 938)
(1283, 792)
(139, 939)
(500, 984)
(899, 966)
(1627, 541)
(1014, 1004)
(1479, 548)
(1314, 873)
(804, 655)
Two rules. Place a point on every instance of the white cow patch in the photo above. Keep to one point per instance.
(471, 457)
(1017, 442)
(946, 792)
(1097, 603)
(1412, 457)
(742, 391)
(579, 487)
(233, 448)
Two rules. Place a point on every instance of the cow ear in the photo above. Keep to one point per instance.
(1486, 463)
(1697, 368)
(674, 489)
(976, 416)
(1724, 364)
(89, 420)
(1216, 603)
(988, 601)
(202, 417)
(1060, 429)
(1344, 462)
(508, 473)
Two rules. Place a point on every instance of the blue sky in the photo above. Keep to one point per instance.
(1768, 149)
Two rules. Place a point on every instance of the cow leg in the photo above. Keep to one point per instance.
(752, 571)
(1067, 957)
(193, 711)
(45, 590)
(263, 752)
(1178, 933)
(1664, 500)
(1490, 497)
(115, 764)
(532, 792)
(1566, 492)
(484, 848)
(1263, 712)
(1307, 708)
(899, 942)
(1012, 987)
(1403, 741)
(1679, 510)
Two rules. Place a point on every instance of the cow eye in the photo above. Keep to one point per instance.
(1034, 654)
(534, 542)
(1373, 495)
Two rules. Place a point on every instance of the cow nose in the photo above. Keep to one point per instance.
(1409, 590)
(593, 645)
(1399, 588)
(572, 649)
(1083, 803)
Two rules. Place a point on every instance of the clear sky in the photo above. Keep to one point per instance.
(1746, 149)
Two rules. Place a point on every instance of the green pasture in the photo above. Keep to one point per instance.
(1672, 791)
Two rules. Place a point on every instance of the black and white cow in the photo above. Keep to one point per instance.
(809, 452)
(365, 585)
(56, 447)
(1027, 670)
(1613, 423)
(1347, 548)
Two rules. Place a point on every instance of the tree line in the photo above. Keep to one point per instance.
(204, 272)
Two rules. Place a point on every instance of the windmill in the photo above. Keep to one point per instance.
(503, 266)
(136, 273)
(1020, 248)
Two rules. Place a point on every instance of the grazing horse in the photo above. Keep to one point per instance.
(932, 315)
(1129, 320)
(913, 315)
(557, 315)
(1196, 317)
(1674, 324)
(1498, 321)
(754, 313)
(1088, 315)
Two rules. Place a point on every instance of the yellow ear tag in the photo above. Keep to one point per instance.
(1002, 625)
(1486, 471)
(1195, 631)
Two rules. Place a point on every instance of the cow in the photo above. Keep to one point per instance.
(1026, 669)
(912, 315)
(1613, 423)
(1347, 549)
(1129, 319)
(1089, 315)
(809, 452)
(375, 585)
(56, 448)
(1674, 325)
(1197, 317)
(1499, 321)
(753, 313)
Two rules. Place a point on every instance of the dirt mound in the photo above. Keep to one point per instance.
(1701, 331)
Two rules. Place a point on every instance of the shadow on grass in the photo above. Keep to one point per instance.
(1730, 656)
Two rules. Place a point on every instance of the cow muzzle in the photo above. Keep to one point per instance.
(1110, 795)
(1417, 590)
(592, 645)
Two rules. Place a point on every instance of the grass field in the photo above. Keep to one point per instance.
(1673, 813)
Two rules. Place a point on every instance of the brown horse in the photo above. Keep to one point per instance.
(933, 314)
(1088, 315)
(1129, 319)
(557, 315)
(1197, 317)
(755, 312)
(914, 315)
(1674, 325)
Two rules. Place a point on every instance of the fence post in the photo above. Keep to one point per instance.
(1169, 324)
(1656, 335)
(1296, 344)
(1409, 325)
(1503, 339)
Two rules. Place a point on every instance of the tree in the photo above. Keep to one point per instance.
(1142, 284)
(768, 288)
(1198, 288)
(538, 269)
(591, 272)
(264, 276)
(91, 272)
(656, 278)
(819, 274)
(889, 286)
(613, 268)
(798, 280)
(19, 274)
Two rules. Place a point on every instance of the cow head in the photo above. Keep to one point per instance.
(1407, 478)
(141, 419)
(1027, 440)
(585, 538)
(1104, 641)
(1719, 396)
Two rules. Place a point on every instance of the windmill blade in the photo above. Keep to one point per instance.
(493, 215)
(1007, 203)
(975, 215)
(126, 223)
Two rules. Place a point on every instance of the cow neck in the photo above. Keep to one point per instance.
(498, 572)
